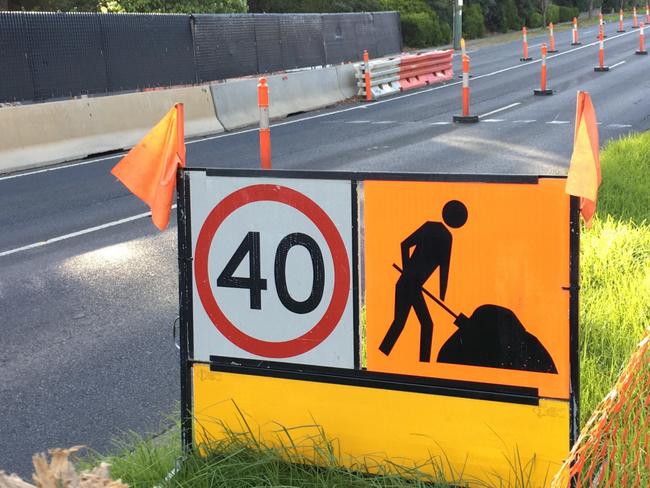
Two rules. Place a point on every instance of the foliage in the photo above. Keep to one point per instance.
(417, 29)
(311, 6)
(473, 22)
(568, 13)
(182, 6)
(157, 6)
(535, 21)
(552, 14)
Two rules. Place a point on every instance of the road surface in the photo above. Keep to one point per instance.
(86, 347)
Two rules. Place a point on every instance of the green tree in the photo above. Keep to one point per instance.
(473, 22)
(183, 6)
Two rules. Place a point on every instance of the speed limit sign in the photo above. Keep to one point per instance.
(273, 270)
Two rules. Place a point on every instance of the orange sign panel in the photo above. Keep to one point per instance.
(469, 281)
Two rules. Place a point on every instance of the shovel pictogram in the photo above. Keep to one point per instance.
(492, 337)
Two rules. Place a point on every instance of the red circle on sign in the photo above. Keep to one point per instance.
(336, 307)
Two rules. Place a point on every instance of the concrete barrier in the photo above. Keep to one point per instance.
(236, 100)
(45, 133)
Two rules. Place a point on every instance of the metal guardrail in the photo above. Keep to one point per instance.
(404, 72)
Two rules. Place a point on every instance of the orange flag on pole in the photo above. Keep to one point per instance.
(149, 169)
(584, 175)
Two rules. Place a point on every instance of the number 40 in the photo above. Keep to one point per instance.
(255, 283)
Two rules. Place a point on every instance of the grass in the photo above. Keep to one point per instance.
(615, 306)
(615, 269)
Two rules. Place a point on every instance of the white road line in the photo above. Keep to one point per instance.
(494, 120)
(500, 109)
(527, 121)
(77, 233)
(617, 64)
(54, 168)
(439, 123)
(336, 112)
(619, 126)
(381, 122)
(559, 122)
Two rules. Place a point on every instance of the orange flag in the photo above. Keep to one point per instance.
(149, 169)
(584, 175)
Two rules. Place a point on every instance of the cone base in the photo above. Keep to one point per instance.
(553, 51)
(465, 119)
(460, 76)
(542, 93)
(525, 59)
(620, 30)
(576, 44)
(642, 53)
(601, 68)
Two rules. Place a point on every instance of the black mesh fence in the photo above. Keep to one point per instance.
(55, 55)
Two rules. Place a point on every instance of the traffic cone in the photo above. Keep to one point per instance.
(574, 33)
(525, 57)
(635, 19)
(265, 130)
(601, 52)
(463, 53)
(620, 21)
(647, 13)
(602, 26)
(366, 75)
(465, 118)
(642, 51)
(543, 91)
(551, 39)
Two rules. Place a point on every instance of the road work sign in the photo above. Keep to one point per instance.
(273, 269)
(412, 318)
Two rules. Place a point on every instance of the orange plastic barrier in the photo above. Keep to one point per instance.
(416, 70)
(612, 450)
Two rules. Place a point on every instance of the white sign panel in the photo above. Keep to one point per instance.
(273, 269)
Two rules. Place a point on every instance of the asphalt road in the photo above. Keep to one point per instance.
(86, 349)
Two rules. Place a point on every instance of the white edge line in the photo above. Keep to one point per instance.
(500, 109)
(617, 64)
(327, 114)
(77, 233)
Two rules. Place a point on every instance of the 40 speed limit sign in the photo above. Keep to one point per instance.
(273, 270)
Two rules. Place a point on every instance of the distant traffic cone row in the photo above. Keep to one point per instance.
(642, 50)
(601, 52)
(465, 118)
(525, 56)
(543, 90)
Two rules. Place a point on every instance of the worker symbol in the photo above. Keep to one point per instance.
(492, 337)
(432, 250)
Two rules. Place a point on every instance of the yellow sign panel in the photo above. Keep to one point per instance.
(373, 427)
(469, 281)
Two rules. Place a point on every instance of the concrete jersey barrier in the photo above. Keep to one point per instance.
(45, 133)
(236, 100)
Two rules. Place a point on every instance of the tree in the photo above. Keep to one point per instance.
(543, 6)
(183, 6)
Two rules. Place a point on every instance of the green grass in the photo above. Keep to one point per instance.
(615, 306)
(615, 269)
